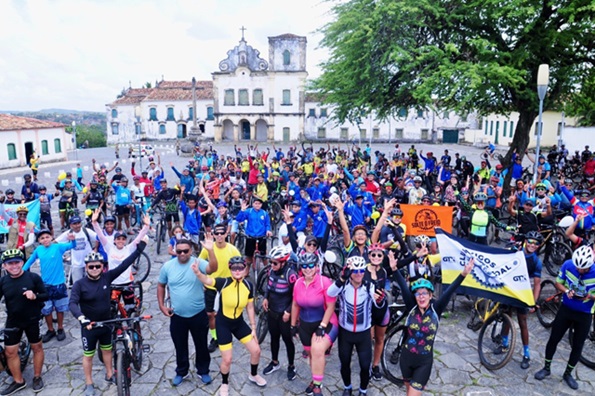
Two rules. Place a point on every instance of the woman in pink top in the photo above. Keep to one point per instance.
(318, 326)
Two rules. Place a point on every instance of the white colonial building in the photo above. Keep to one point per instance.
(22, 136)
(254, 99)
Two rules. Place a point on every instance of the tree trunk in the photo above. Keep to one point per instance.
(520, 141)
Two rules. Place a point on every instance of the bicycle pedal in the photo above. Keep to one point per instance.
(146, 348)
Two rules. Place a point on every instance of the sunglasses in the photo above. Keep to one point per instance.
(219, 233)
(540, 189)
(237, 268)
(311, 244)
(274, 262)
(184, 251)
(426, 200)
(94, 267)
(422, 294)
(532, 242)
(377, 255)
(358, 271)
(304, 266)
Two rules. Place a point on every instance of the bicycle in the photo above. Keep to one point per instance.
(121, 310)
(141, 268)
(395, 339)
(549, 302)
(24, 351)
(495, 322)
(274, 209)
(160, 228)
(128, 348)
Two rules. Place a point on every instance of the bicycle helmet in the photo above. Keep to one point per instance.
(422, 284)
(375, 246)
(308, 258)
(108, 219)
(583, 257)
(75, 219)
(396, 212)
(94, 257)
(236, 260)
(118, 169)
(42, 232)
(93, 181)
(124, 180)
(42, 187)
(480, 197)
(356, 263)
(12, 254)
(540, 185)
(279, 253)
(360, 227)
(417, 179)
(421, 240)
(9, 191)
(22, 208)
(534, 235)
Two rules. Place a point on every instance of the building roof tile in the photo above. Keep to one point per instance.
(13, 123)
(166, 91)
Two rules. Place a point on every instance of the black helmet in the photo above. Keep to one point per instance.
(42, 187)
(9, 191)
(109, 218)
(236, 260)
(535, 235)
(396, 212)
(308, 258)
(42, 232)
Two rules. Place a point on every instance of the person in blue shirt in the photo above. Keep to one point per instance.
(580, 206)
(359, 213)
(186, 178)
(79, 174)
(317, 189)
(258, 228)
(52, 275)
(192, 217)
(319, 219)
(124, 198)
(157, 177)
(516, 167)
(300, 216)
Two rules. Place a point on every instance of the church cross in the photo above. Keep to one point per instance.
(242, 29)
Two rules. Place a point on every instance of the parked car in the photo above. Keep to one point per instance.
(145, 149)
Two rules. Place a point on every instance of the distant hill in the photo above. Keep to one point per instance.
(64, 116)
(65, 111)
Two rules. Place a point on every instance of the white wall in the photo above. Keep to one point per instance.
(36, 136)
(576, 138)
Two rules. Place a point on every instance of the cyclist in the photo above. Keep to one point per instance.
(89, 302)
(109, 226)
(171, 198)
(533, 240)
(316, 312)
(258, 227)
(422, 325)
(45, 208)
(356, 297)
(277, 302)
(52, 274)
(22, 292)
(576, 280)
(358, 244)
(124, 199)
(192, 216)
(481, 219)
(21, 234)
(236, 293)
(66, 200)
(178, 232)
(94, 198)
(86, 241)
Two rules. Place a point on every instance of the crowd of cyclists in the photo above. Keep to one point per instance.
(346, 200)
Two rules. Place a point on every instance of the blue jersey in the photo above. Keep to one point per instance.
(581, 284)
(258, 223)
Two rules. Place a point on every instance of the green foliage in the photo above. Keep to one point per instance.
(94, 134)
(583, 104)
(461, 55)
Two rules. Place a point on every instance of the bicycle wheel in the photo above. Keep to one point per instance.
(275, 213)
(241, 243)
(490, 338)
(141, 268)
(331, 270)
(340, 261)
(549, 301)
(137, 347)
(158, 231)
(557, 252)
(122, 374)
(391, 354)
(262, 326)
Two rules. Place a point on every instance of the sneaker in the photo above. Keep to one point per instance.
(271, 368)
(291, 374)
(305, 354)
(213, 345)
(89, 390)
(570, 381)
(48, 335)
(258, 380)
(500, 350)
(541, 374)
(13, 388)
(224, 390)
(205, 378)
(37, 384)
(178, 379)
(110, 380)
(60, 335)
(310, 388)
(347, 392)
(362, 393)
(376, 374)
(317, 390)
(525, 363)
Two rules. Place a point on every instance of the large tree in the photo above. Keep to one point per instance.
(460, 55)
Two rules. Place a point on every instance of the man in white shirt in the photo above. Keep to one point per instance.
(86, 241)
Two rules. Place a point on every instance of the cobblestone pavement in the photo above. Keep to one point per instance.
(457, 370)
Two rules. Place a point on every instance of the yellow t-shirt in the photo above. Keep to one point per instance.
(245, 166)
(223, 255)
(308, 168)
(262, 191)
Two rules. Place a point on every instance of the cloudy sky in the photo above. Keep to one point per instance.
(79, 54)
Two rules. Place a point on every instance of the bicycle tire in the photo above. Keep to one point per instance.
(588, 353)
(548, 309)
(339, 254)
(490, 338)
(262, 326)
(274, 213)
(141, 268)
(331, 270)
(557, 252)
(391, 354)
(241, 243)
(137, 347)
(122, 373)
(158, 237)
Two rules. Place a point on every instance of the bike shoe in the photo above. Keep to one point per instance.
(570, 381)
(291, 374)
(376, 374)
(213, 345)
(541, 374)
(48, 335)
(271, 368)
(525, 363)
(309, 389)
(500, 350)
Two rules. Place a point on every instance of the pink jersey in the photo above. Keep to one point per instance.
(313, 299)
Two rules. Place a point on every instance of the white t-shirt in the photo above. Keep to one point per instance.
(82, 248)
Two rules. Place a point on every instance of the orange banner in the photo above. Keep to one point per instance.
(423, 219)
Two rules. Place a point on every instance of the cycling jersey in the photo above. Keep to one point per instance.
(170, 197)
(123, 195)
(355, 312)
(234, 295)
(581, 284)
(279, 288)
(50, 262)
(94, 199)
(313, 299)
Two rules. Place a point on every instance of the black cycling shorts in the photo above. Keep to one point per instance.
(251, 246)
(229, 328)
(122, 210)
(14, 337)
(173, 217)
(90, 338)
(416, 368)
(210, 296)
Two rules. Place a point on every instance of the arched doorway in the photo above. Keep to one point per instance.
(261, 131)
(227, 133)
(245, 130)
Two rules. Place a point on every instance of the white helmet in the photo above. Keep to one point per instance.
(583, 257)
(421, 240)
(356, 263)
(280, 253)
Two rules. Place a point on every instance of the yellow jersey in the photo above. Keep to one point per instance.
(223, 255)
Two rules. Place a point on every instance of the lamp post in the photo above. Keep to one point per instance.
(543, 76)
(76, 156)
(138, 128)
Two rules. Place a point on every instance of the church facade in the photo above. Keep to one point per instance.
(253, 98)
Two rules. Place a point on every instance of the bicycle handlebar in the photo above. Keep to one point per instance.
(120, 320)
